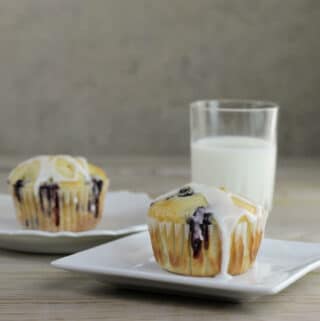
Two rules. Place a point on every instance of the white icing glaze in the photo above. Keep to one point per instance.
(48, 169)
(227, 215)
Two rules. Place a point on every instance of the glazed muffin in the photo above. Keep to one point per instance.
(58, 193)
(204, 231)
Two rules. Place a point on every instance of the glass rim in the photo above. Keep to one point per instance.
(250, 105)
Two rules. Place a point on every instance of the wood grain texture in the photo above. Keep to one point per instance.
(32, 290)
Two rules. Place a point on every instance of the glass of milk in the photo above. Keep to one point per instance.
(234, 145)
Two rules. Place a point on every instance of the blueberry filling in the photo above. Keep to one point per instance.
(17, 189)
(94, 202)
(50, 193)
(185, 191)
(199, 230)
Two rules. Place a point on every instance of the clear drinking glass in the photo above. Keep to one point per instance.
(234, 145)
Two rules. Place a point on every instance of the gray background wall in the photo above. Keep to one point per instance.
(111, 77)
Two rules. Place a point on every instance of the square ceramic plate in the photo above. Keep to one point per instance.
(124, 214)
(129, 261)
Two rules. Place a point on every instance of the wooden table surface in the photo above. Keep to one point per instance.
(32, 290)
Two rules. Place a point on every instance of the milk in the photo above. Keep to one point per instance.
(243, 165)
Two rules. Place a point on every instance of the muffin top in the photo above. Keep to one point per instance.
(67, 171)
(192, 200)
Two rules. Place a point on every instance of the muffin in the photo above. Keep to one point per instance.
(58, 193)
(204, 231)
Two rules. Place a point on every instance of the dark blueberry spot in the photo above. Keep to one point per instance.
(185, 191)
(50, 193)
(97, 186)
(196, 246)
(94, 202)
(199, 230)
(17, 189)
(205, 229)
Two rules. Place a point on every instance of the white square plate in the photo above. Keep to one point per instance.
(129, 261)
(124, 214)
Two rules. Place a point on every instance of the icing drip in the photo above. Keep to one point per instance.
(227, 215)
(199, 230)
